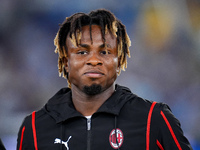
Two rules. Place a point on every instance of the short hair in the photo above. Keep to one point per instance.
(106, 20)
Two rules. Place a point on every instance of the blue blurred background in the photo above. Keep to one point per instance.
(165, 62)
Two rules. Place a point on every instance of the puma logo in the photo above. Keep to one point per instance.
(59, 141)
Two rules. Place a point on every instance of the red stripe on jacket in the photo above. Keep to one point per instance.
(171, 130)
(148, 125)
(34, 131)
(22, 137)
(159, 145)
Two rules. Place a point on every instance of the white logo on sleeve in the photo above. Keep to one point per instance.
(59, 141)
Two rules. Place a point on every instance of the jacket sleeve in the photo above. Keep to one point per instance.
(171, 136)
(25, 135)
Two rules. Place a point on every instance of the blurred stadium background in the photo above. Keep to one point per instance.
(165, 62)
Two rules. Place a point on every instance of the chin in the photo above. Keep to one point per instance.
(93, 89)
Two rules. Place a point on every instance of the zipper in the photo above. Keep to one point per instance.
(88, 124)
(88, 133)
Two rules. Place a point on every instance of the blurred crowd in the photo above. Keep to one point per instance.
(164, 64)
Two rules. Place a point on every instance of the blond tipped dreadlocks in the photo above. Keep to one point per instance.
(72, 27)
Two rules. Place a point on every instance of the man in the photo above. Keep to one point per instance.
(94, 113)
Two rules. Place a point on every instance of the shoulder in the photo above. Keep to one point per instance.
(143, 103)
(146, 107)
(35, 115)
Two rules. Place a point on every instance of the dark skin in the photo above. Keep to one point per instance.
(92, 63)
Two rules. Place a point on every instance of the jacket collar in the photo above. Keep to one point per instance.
(61, 107)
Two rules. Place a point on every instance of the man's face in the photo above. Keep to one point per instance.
(92, 63)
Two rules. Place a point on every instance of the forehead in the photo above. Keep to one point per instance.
(95, 34)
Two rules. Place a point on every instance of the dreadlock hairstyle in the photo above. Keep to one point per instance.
(72, 26)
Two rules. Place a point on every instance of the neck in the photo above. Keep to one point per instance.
(89, 104)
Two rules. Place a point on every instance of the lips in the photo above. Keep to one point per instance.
(93, 74)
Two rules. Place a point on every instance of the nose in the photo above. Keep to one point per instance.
(94, 60)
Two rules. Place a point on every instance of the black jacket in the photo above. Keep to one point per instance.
(140, 125)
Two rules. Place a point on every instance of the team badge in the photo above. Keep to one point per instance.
(116, 139)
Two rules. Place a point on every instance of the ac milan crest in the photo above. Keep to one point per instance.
(116, 138)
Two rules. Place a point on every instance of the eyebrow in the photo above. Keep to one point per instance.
(101, 46)
(83, 45)
(105, 45)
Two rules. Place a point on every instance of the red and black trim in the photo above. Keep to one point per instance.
(148, 125)
(171, 130)
(159, 145)
(34, 131)
(22, 137)
(168, 125)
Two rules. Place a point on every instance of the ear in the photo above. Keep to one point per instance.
(118, 67)
(65, 60)
(117, 70)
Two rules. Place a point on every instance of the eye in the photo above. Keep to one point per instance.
(105, 52)
(82, 52)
